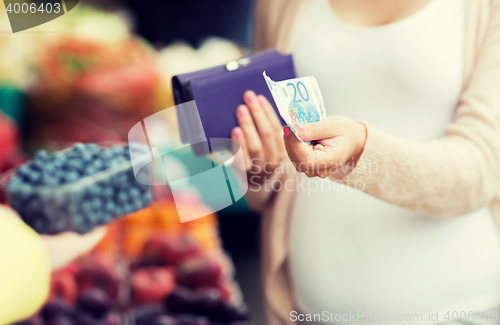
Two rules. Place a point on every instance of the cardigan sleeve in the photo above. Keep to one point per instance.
(456, 174)
(24, 269)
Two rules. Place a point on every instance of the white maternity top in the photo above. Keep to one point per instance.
(350, 252)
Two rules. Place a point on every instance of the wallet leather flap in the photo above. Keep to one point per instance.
(218, 92)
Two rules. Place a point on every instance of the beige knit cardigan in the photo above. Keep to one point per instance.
(447, 177)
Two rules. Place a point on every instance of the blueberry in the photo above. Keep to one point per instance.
(23, 171)
(106, 154)
(93, 190)
(86, 157)
(116, 149)
(89, 170)
(96, 204)
(123, 197)
(134, 192)
(110, 206)
(79, 147)
(128, 208)
(92, 147)
(32, 193)
(42, 156)
(147, 198)
(137, 204)
(71, 176)
(74, 164)
(108, 192)
(86, 207)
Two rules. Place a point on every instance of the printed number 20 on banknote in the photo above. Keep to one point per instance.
(299, 100)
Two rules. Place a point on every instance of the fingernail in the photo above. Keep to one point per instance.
(286, 131)
(301, 127)
(237, 133)
(249, 96)
(261, 100)
(242, 111)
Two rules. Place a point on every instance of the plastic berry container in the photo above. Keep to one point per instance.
(77, 189)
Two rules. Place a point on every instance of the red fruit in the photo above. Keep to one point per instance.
(152, 284)
(72, 268)
(63, 285)
(226, 289)
(181, 249)
(199, 272)
(169, 250)
(99, 278)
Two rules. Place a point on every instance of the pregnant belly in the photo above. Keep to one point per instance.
(350, 252)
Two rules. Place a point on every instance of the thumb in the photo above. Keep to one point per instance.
(316, 131)
(296, 148)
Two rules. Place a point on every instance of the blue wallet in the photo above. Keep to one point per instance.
(217, 92)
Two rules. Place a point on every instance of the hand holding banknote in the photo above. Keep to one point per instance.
(336, 141)
(260, 136)
(330, 142)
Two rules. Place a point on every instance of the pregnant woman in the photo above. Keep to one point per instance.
(403, 231)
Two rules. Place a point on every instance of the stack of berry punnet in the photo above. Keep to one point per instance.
(77, 189)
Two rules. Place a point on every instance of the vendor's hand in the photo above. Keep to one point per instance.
(64, 247)
(336, 141)
(67, 246)
(260, 137)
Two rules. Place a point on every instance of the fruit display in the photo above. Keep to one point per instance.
(128, 235)
(83, 93)
(188, 307)
(169, 258)
(77, 189)
(176, 281)
(86, 292)
(10, 154)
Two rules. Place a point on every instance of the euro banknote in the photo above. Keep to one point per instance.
(299, 100)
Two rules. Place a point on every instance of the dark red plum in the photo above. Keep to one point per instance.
(61, 320)
(94, 301)
(235, 313)
(112, 318)
(56, 307)
(84, 318)
(181, 300)
(209, 303)
(199, 272)
(165, 320)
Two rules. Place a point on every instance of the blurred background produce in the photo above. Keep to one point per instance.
(89, 76)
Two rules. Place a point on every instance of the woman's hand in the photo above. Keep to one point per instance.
(64, 247)
(336, 141)
(68, 246)
(260, 136)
